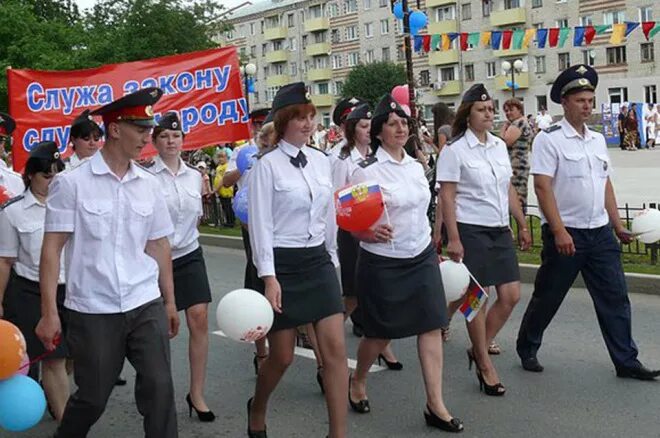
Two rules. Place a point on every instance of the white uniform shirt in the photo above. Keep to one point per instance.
(482, 173)
(406, 195)
(183, 195)
(579, 167)
(290, 207)
(22, 231)
(543, 121)
(11, 181)
(111, 220)
(344, 167)
(333, 153)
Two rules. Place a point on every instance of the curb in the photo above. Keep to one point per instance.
(637, 283)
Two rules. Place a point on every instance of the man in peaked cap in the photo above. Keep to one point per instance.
(11, 183)
(85, 138)
(112, 218)
(339, 114)
(571, 169)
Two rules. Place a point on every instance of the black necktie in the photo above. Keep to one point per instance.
(299, 160)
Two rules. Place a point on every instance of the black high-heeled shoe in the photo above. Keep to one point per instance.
(255, 362)
(496, 390)
(252, 433)
(204, 417)
(394, 366)
(454, 425)
(362, 406)
(319, 379)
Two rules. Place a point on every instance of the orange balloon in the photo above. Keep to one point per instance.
(12, 349)
(358, 207)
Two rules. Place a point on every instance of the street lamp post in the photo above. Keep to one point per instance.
(515, 68)
(248, 70)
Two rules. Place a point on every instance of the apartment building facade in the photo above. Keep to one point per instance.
(318, 42)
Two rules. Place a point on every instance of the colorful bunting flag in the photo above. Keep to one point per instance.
(417, 46)
(655, 30)
(647, 27)
(563, 35)
(554, 36)
(446, 42)
(518, 36)
(578, 37)
(453, 36)
(618, 33)
(541, 38)
(630, 26)
(426, 44)
(589, 34)
(485, 38)
(473, 39)
(495, 39)
(506, 39)
(464, 41)
(529, 36)
(435, 42)
(602, 28)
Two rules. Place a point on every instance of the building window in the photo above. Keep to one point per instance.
(293, 44)
(277, 45)
(384, 3)
(293, 69)
(333, 10)
(541, 103)
(616, 55)
(486, 8)
(586, 20)
(319, 37)
(253, 51)
(563, 22)
(539, 64)
(646, 13)
(350, 6)
(469, 72)
(368, 30)
(424, 78)
(278, 69)
(618, 95)
(315, 11)
(251, 28)
(447, 74)
(339, 87)
(290, 20)
(385, 54)
(445, 13)
(648, 52)
(353, 59)
(320, 62)
(264, 49)
(537, 3)
(511, 4)
(337, 61)
(564, 61)
(589, 57)
(266, 70)
(614, 17)
(491, 69)
(367, 4)
(335, 36)
(466, 11)
(650, 94)
(323, 88)
(351, 33)
(384, 26)
(369, 56)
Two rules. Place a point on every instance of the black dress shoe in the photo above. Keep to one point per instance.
(532, 364)
(254, 433)
(640, 373)
(454, 425)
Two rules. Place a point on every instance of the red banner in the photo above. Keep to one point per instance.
(204, 88)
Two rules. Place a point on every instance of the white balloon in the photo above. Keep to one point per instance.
(648, 221)
(455, 279)
(244, 315)
(650, 237)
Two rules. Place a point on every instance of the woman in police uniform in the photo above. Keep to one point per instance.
(293, 238)
(182, 187)
(22, 230)
(399, 286)
(474, 173)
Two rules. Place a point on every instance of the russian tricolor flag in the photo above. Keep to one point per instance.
(476, 297)
(357, 193)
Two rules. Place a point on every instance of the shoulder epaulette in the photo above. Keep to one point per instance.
(371, 159)
(192, 167)
(317, 149)
(265, 151)
(453, 140)
(343, 154)
(552, 129)
(13, 200)
(146, 166)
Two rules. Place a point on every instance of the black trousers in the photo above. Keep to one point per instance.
(99, 343)
(598, 259)
(227, 212)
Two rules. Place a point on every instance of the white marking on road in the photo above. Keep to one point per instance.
(309, 354)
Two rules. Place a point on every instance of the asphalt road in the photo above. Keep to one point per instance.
(578, 395)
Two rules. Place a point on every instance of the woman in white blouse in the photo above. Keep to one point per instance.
(474, 173)
(399, 285)
(182, 187)
(291, 220)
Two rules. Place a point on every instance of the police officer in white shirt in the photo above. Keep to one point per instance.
(291, 219)
(339, 114)
(112, 217)
(399, 287)
(182, 187)
(85, 138)
(11, 181)
(571, 169)
(21, 234)
(474, 173)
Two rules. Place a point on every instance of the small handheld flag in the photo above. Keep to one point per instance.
(476, 297)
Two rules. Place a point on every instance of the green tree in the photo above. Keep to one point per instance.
(372, 81)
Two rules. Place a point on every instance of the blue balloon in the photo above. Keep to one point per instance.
(22, 403)
(418, 20)
(240, 204)
(246, 157)
(414, 31)
(398, 10)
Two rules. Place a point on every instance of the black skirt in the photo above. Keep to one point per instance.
(310, 288)
(398, 298)
(489, 254)
(191, 284)
(348, 247)
(26, 302)
(251, 279)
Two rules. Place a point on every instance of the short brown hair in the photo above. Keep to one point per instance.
(288, 113)
(515, 103)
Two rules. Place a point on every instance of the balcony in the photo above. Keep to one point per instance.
(512, 52)
(318, 49)
(277, 80)
(508, 17)
(275, 33)
(443, 58)
(522, 79)
(434, 3)
(323, 100)
(277, 56)
(450, 88)
(445, 26)
(317, 24)
(319, 74)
